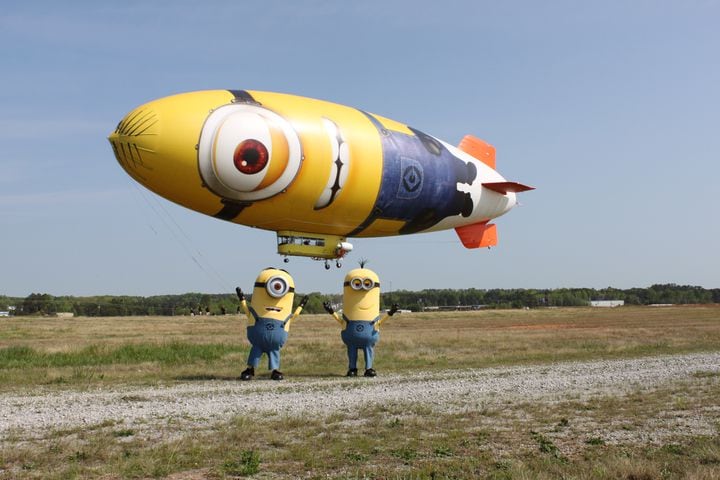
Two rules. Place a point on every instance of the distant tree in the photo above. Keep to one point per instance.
(314, 304)
(39, 303)
(715, 292)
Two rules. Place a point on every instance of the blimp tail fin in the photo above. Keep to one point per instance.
(478, 235)
(479, 149)
(505, 187)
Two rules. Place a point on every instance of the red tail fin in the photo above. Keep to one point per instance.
(479, 149)
(505, 187)
(478, 235)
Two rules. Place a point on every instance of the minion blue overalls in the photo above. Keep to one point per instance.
(360, 334)
(267, 336)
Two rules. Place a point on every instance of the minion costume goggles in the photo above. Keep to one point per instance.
(359, 283)
(276, 286)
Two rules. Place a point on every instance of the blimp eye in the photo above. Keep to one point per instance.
(356, 283)
(248, 153)
(250, 156)
(368, 284)
(276, 287)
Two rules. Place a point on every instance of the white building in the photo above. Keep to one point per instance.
(607, 303)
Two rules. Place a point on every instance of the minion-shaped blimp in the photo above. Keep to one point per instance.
(360, 318)
(314, 172)
(269, 318)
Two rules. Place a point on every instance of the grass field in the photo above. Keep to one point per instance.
(502, 441)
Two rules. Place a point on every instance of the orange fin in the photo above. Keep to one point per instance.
(505, 187)
(479, 149)
(478, 235)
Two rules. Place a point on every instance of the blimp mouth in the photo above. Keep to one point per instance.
(134, 140)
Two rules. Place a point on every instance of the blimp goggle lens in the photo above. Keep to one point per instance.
(358, 283)
(276, 287)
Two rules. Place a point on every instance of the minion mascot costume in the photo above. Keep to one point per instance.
(269, 319)
(361, 317)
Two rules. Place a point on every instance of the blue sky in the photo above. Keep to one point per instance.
(611, 109)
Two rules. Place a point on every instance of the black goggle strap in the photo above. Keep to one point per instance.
(347, 284)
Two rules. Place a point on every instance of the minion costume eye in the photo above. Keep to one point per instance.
(247, 152)
(358, 283)
(276, 287)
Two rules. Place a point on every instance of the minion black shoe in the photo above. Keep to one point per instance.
(276, 375)
(352, 372)
(370, 372)
(247, 374)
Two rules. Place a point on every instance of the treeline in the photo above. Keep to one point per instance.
(110, 306)
(560, 297)
(219, 304)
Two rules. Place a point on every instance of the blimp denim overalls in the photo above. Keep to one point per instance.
(267, 336)
(360, 334)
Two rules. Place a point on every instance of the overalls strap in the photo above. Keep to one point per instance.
(257, 317)
(347, 320)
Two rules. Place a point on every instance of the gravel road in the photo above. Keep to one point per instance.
(199, 403)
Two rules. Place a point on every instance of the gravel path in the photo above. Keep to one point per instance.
(205, 402)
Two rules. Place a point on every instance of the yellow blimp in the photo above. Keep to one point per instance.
(313, 171)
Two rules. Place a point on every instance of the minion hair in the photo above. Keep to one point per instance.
(363, 262)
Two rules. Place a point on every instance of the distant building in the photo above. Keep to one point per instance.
(452, 308)
(607, 303)
(4, 314)
(65, 314)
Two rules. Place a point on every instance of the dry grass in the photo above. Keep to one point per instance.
(418, 341)
(680, 324)
(641, 435)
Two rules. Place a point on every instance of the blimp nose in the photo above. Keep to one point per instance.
(156, 144)
(134, 141)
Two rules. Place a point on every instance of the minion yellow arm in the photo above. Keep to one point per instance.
(384, 317)
(295, 314)
(329, 309)
(338, 319)
(393, 309)
(243, 303)
(246, 309)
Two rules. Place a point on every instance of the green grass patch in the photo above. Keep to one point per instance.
(247, 464)
(97, 355)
